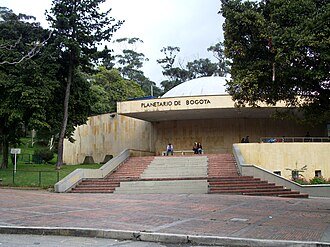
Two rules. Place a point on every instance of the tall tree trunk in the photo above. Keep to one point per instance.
(65, 116)
(5, 150)
(4, 144)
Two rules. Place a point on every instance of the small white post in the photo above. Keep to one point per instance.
(15, 151)
(15, 163)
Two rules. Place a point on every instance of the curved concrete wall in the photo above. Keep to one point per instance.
(108, 134)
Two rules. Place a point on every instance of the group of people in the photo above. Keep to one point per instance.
(245, 140)
(197, 148)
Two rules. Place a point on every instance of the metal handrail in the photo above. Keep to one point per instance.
(294, 139)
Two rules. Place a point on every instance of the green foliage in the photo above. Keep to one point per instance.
(27, 77)
(314, 180)
(38, 175)
(318, 180)
(45, 154)
(79, 29)
(279, 50)
(194, 69)
(300, 180)
(108, 87)
(129, 62)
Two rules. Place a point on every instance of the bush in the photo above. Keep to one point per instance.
(45, 154)
(318, 180)
(300, 180)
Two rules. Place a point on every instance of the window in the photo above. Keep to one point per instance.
(318, 173)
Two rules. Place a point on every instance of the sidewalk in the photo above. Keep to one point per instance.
(207, 219)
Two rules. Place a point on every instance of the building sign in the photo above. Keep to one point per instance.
(175, 103)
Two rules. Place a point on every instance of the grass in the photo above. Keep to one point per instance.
(36, 175)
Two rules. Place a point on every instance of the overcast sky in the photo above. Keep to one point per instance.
(192, 25)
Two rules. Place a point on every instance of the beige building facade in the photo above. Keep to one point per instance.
(148, 125)
(282, 158)
(107, 134)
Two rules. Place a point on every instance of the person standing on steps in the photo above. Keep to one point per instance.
(169, 149)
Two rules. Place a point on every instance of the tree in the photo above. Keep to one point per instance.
(27, 77)
(201, 67)
(175, 75)
(219, 53)
(195, 69)
(109, 87)
(79, 27)
(129, 62)
(280, 51)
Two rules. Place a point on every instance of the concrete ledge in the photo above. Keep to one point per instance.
(154, 237)
(164, 238)
(319, 190)
(225, 241)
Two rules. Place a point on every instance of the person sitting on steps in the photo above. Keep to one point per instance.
(195, 149)
(169, 149)
(199, 148)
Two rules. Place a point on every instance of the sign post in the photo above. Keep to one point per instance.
(15, 151)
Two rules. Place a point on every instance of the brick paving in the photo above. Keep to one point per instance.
(205, 214)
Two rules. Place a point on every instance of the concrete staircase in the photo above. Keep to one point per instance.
(222, 165)
(223, 178)
(129, 171)
(213, 173)
(170, 175)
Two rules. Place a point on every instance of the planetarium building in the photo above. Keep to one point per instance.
(199, 110)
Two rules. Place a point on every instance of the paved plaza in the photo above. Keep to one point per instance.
(202, 218)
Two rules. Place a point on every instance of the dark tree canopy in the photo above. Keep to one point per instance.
(27, 77)
(108, 87)
(79, 28)
(280, 51)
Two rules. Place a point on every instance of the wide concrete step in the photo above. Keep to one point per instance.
(299, 195)
(245, 186)
(101, 180)
(234, 178)
(245, 191)
(176, 167)
(163, 187)
(237, 183)
(274, 192)
(93, 190)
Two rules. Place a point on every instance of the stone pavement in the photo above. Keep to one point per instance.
(230, 220)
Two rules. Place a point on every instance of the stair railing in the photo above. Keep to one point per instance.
(78, 175)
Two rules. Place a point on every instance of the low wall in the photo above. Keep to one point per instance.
(246, 169)
(79, 174)
(281, 157)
